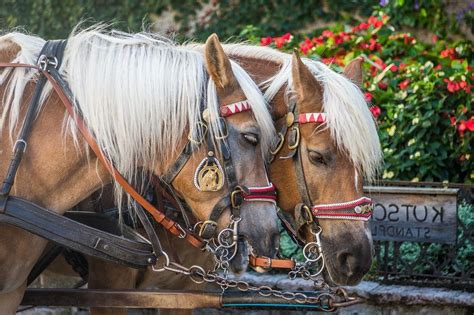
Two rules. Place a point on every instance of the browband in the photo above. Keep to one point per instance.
(311, 118)
(234, 108)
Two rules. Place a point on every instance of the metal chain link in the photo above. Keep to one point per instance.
(224, 249)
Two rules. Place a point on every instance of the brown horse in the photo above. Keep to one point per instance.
(333, 168)
(140, 96)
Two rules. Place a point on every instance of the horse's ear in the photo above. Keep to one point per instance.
(353, 71)
(217, 63)
(307, 88)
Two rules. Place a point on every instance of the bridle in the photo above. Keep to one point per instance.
(223, 244)
(307, 212)
(48, 64)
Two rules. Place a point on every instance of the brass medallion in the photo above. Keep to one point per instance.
(209, 175)
(290, 119)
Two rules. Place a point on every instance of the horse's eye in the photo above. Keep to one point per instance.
(251, 138)
(316, 158)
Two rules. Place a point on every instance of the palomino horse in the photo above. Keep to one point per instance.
(323, 170)
(141, 97)
(335, 154)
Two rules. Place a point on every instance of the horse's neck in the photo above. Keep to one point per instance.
(53, 172)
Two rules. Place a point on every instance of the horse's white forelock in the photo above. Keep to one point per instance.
(349, 120)
(138, 94)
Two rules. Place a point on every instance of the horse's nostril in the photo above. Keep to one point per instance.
(346, 262)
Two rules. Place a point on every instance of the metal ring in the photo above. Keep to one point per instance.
(297, 141)
(166, 264)
(280, 144)
(20, 141)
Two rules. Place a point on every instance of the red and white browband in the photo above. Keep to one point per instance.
(311, 118)
(234, 108)
(264, 193)
(359, 209)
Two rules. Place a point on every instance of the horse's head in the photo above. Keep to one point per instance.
(220, 180)
(331, 144)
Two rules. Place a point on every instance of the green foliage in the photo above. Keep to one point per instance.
(421, 94)
(432, 15)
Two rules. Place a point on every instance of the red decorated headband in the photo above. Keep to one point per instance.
(311, 118)
(234, 108)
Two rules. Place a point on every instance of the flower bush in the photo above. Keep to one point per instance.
(420, 94)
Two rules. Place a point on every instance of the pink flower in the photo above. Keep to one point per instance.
(394, 68)
(265, 41)
(327, 33)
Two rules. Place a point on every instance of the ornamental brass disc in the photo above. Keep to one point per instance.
(209, 176)
(290, 119)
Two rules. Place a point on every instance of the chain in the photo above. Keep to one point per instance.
(224, 249)
(328, 300)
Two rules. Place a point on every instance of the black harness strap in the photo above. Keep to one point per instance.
(75, 235)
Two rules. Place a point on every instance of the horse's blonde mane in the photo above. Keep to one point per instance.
(349, 120)
(138, 93)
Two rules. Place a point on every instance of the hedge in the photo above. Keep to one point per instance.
(420, 93)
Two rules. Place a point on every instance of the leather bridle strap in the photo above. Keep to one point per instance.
(266, 262)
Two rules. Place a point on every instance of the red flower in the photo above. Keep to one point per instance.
(327, 60)
(306, 46)
(376, 23)
(452, 120)
(286, 37)
(452, 86)
(470, 124)
(438, 67)
(382, 85)
(375, 110)
(404, 84)
(338, 39)
(462, 127)
(368, 96)
(264, 41)
(407, 39)
(434, 38)
(374, 45)
(394, 68)
(327, 33)
(279, 41)
(318, 40)
(448, 52)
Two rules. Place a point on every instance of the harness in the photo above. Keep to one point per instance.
(74, 235)
(306, 212)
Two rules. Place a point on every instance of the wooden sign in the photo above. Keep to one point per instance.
(414, 214)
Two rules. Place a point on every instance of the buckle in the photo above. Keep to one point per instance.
(44, 62)
(236, 197)
(203, 226)
(308, 215)
(281, 140)
(225, 132)
(294, 142)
